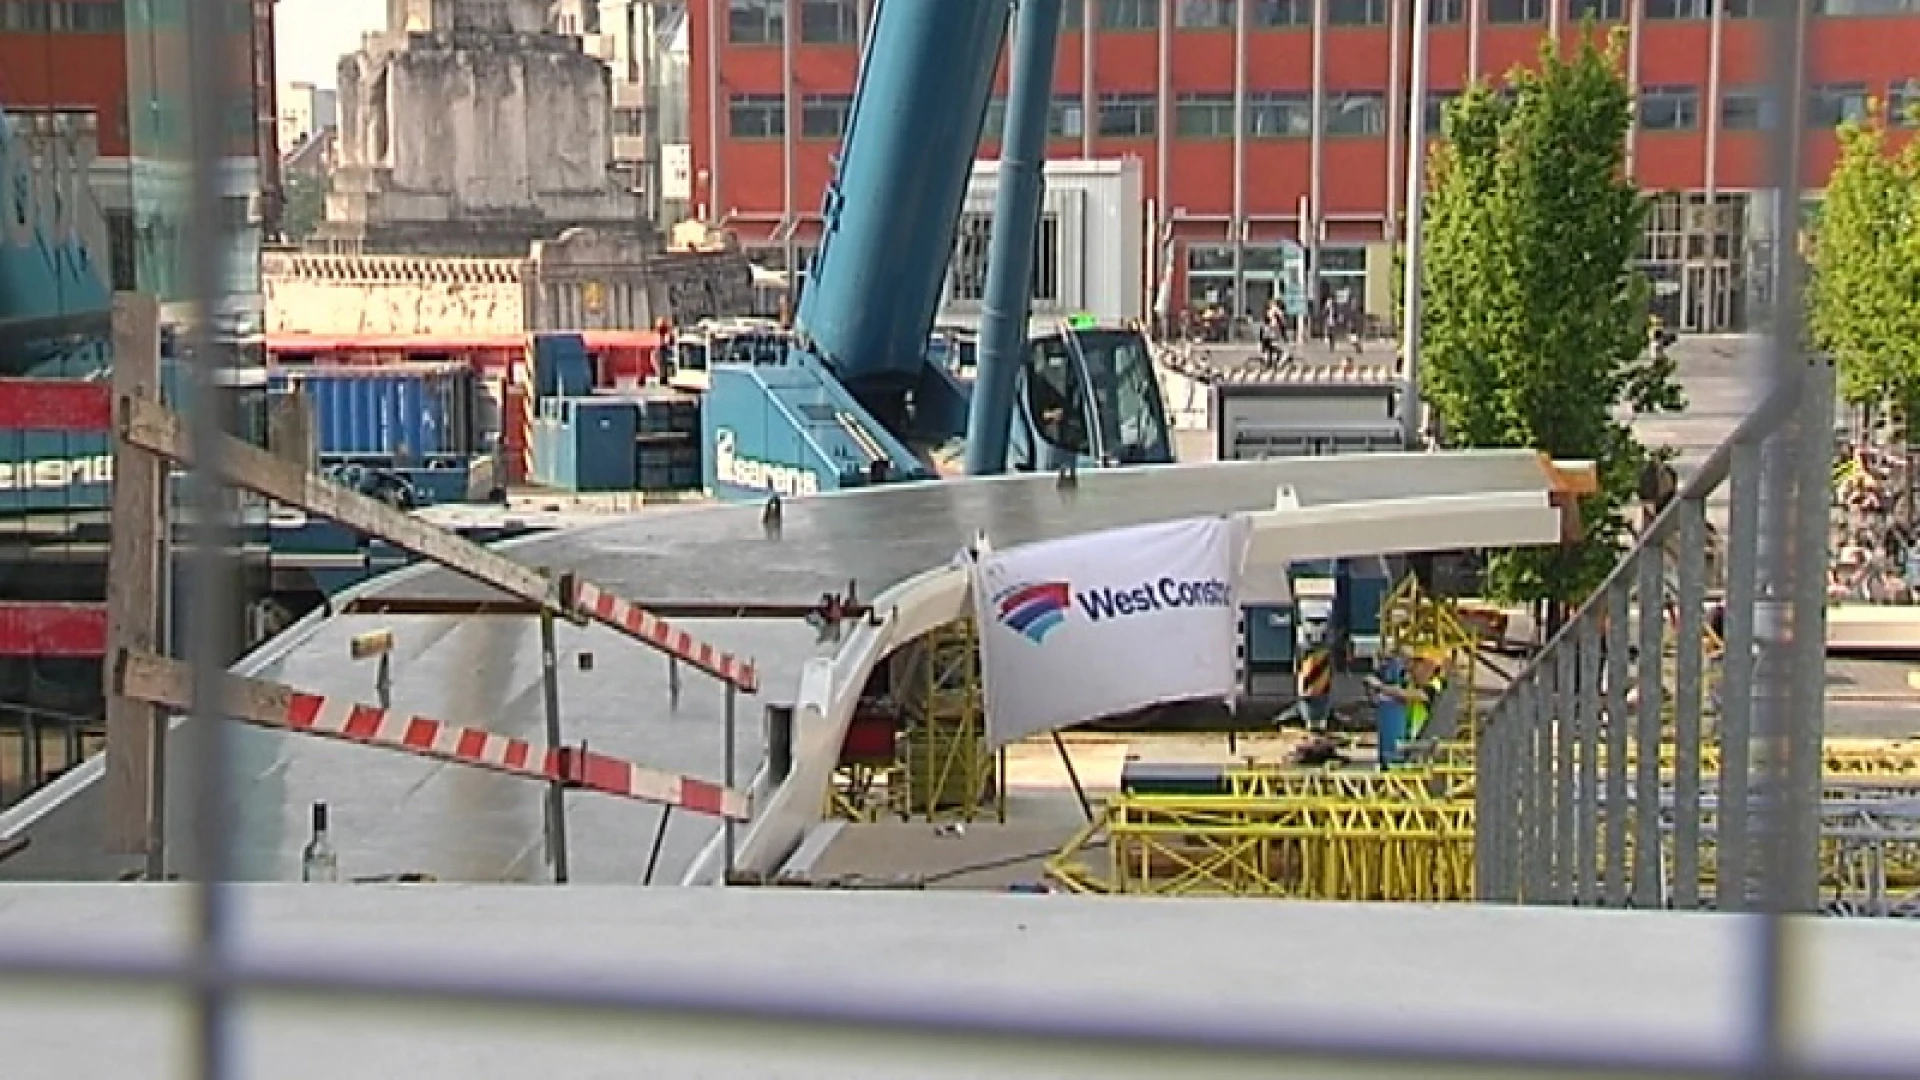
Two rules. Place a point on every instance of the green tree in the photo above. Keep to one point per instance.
(1535, 320)
(1864, 300)
(306, 205)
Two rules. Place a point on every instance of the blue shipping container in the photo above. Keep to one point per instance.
(412, 412)
(596, 451)
(561, 367)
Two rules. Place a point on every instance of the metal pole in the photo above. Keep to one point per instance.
(727, 767)
(1073, 776)
(789, 222)
(1410, 419)
(1238, 229)
(659, 839)
(208, 48)
(557, 790)
(1781, 853)
(1005, 307)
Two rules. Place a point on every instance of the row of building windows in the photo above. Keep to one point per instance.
(1289, 114)
(63, 16)
(837, 22)
(1678, 108)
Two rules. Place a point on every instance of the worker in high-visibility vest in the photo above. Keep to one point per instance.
(1403, 697)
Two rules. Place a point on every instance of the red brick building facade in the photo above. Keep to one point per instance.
(1319, 163)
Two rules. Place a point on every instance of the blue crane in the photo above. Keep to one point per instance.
(861, 391)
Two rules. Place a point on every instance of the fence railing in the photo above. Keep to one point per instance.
(1574, 803)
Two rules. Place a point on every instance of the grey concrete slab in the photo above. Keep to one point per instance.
(1628, 983)
(397, 814)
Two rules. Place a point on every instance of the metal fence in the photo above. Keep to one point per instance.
(1566, 803)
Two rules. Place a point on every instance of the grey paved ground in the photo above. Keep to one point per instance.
(1621, 983)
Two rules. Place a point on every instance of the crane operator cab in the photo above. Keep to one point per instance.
(731, 341)
(1088, 396)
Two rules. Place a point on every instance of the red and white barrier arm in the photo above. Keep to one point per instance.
(168, 683)
(158, 430)
(602, 606)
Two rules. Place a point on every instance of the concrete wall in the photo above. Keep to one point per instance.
(581, 281)
(325, 294)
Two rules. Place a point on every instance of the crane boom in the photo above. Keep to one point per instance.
(891, 211)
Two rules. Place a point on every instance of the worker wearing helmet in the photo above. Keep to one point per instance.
(1403, 697)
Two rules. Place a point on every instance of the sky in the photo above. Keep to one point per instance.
(310, 36)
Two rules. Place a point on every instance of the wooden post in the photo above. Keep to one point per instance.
(136, 733)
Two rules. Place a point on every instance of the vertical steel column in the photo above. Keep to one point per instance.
(716, 108)
(1242, 14)
(1716, 76)
(1016, 222)
(1734, 863)
(789, 133)
(1636, 23)
(556, 791)
(1410, 419)
(729, 768)
(1397, 97)
(1316, 153)
(1688, 692)
(1590, 708)
(1789, 860)
(1476, 22)
(1648, 597)
(209, 51)
(1618, 812)
(1566, 676)
(1089, 65)
(1163, 115)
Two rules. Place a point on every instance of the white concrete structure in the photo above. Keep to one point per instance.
(830, 689)
(1127, 973)
(1092, 250)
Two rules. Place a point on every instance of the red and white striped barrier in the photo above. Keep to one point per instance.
(165, 682)
(594, 602)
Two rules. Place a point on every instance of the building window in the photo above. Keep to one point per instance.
(1516, 11)
(1436, 111)
(1126, 116)
(829, 22)
(1073, 15)
(756, 22)
(1356, 112)
(1598, 10)
(1204, 14)
(967, 272)
(1835, 104)
(1669, 10)
(1275, 13)
(824, 116)
(1280, 115)
(1066, 117)
(1866, 7)
(1129, 14)
(1203, 116)
(757, 116)
(1446, 12)
(1745, 109)
(629, 122)
(1903, 99)
(1669, 108)
(96, 18)
(1356, 12)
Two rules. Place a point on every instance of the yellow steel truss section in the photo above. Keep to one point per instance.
(945, 770)
(1300, 848)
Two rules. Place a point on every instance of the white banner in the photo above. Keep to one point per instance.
(1090, 626)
